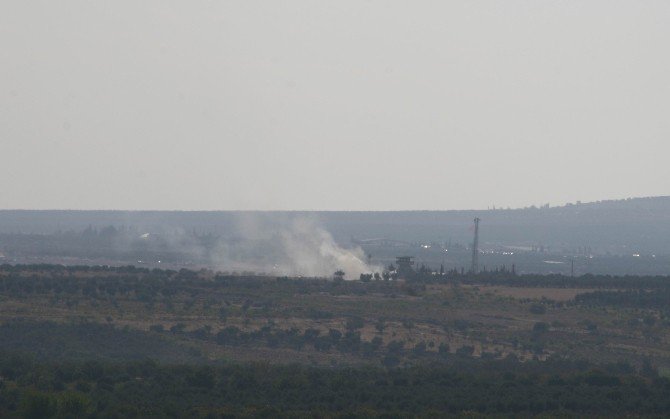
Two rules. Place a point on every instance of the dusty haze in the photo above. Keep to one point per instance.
(332, 105)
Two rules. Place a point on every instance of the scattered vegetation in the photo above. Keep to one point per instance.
(121, 342)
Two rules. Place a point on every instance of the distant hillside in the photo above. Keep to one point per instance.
(614, 226)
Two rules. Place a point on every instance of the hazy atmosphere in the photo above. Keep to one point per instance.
(334, 209)
(376, 105)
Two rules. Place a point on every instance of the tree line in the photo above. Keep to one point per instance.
(34, 389)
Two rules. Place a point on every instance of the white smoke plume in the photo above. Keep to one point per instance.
(294, 247)
(311, 251)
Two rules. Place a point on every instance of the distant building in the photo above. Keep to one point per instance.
(404, 266)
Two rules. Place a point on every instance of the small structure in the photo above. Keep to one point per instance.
(404, 266)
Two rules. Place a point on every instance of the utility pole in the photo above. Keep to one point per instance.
(572, 267)
(475, 249)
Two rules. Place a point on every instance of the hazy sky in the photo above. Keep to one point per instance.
(332, 104)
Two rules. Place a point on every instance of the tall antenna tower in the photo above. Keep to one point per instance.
(475, 249)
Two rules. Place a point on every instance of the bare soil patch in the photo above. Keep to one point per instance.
(556, 294)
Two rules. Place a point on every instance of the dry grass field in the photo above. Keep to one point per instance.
(492, 321)
(555, 294)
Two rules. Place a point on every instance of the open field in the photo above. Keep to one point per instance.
(326, 322)
(554, 294)
(541, 344)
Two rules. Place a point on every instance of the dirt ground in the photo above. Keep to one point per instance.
(556, 294)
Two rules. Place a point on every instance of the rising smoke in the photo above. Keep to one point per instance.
(296, 246)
